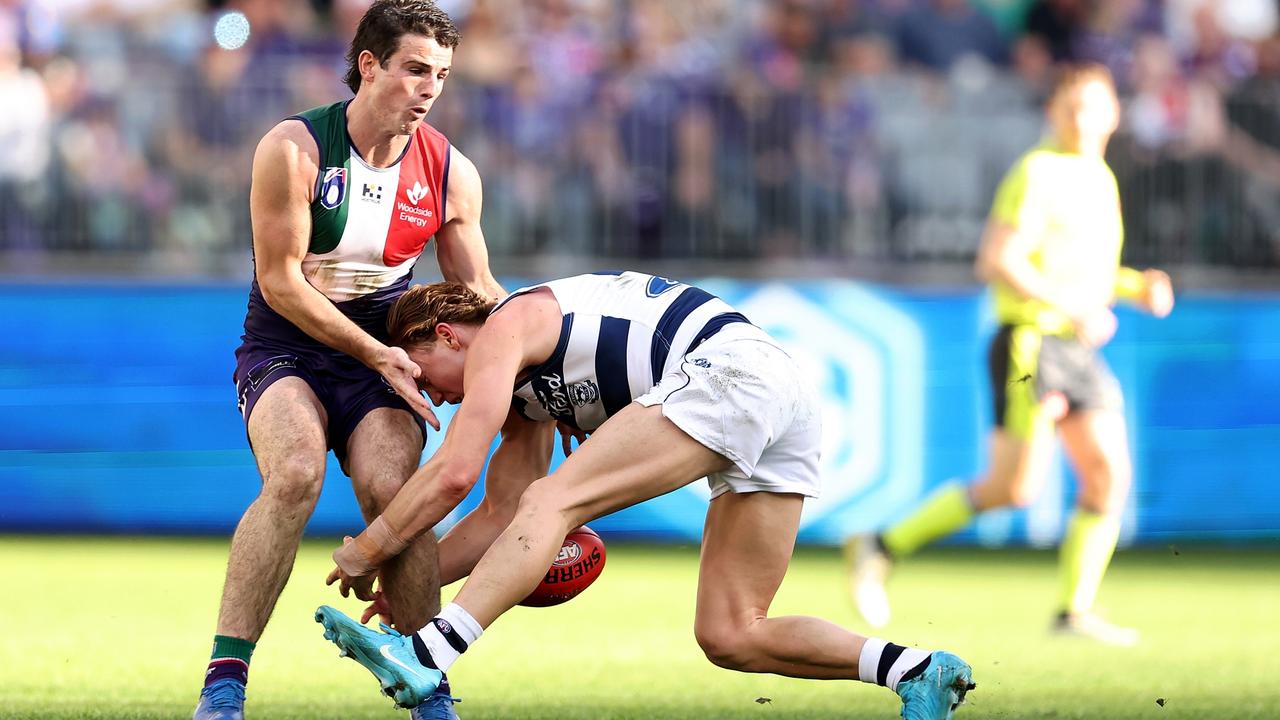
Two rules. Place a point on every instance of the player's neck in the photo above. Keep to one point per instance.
(378, 146)
(1087, 146)
(1092, 146)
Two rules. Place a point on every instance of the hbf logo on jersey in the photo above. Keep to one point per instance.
(334, 188)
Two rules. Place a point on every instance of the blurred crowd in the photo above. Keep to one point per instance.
(841, 129)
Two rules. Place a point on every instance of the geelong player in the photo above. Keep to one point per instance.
(673, 385)
(344, 200)
(1051, 253)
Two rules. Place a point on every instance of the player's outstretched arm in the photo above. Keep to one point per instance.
(460, 247)
(284, 174)
(523, 456)
(522, 334)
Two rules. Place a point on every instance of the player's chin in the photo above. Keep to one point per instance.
(410, 122)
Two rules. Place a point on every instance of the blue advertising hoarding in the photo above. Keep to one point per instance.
(119, 414)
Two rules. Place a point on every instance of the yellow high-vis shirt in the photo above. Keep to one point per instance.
(1066, 207)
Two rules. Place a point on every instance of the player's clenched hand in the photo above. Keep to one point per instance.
(1157, 295)
(401, 374)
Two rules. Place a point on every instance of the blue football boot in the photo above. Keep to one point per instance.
(936, 693)
(437, 707)
(388, 655)
(223, 700)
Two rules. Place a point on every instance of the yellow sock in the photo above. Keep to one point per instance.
(1084, 556)
(945, 511)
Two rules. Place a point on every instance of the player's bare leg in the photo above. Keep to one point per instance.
(383, 451)
(286, 430)
(746, 548)
(1096, 442)
(616, 468)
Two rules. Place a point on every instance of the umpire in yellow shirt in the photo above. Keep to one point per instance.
(1051, 252)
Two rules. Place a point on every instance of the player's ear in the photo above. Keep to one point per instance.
(366, 63)
(447, 335)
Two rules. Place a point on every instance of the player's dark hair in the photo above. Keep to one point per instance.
(386, 21)
(415, 315)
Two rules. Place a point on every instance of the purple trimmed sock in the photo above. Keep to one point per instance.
(223, 668)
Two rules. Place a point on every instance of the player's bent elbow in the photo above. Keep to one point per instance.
(276, 290)
(454, 484)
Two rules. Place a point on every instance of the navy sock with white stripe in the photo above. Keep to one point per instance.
(884, 663)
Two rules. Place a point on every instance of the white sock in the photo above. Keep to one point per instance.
(448, 635)
(884, 663)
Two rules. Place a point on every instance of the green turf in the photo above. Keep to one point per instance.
(121, 628)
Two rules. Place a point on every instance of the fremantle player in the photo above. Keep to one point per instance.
(639, 362)
(343, 202)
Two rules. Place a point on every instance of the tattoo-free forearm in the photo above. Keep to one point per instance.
(303, 305)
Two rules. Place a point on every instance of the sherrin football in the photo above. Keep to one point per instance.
(577, 565)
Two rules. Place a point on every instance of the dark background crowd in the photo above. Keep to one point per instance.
(833, 131)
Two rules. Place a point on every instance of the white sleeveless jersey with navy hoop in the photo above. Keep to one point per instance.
(620, 335)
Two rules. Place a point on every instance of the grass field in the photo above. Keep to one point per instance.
(120, 628)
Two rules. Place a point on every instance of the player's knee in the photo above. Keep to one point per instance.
(1001, 492)
(1105, 486)
(724, 645)
(296, 481)
(381, 493)
(545, 499)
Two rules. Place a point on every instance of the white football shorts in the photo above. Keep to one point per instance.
(742, 396)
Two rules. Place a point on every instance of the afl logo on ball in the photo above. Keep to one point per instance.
(569, 553)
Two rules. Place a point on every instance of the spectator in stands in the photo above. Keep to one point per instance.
(937, 33)
(1059, 23)
(24, 137)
